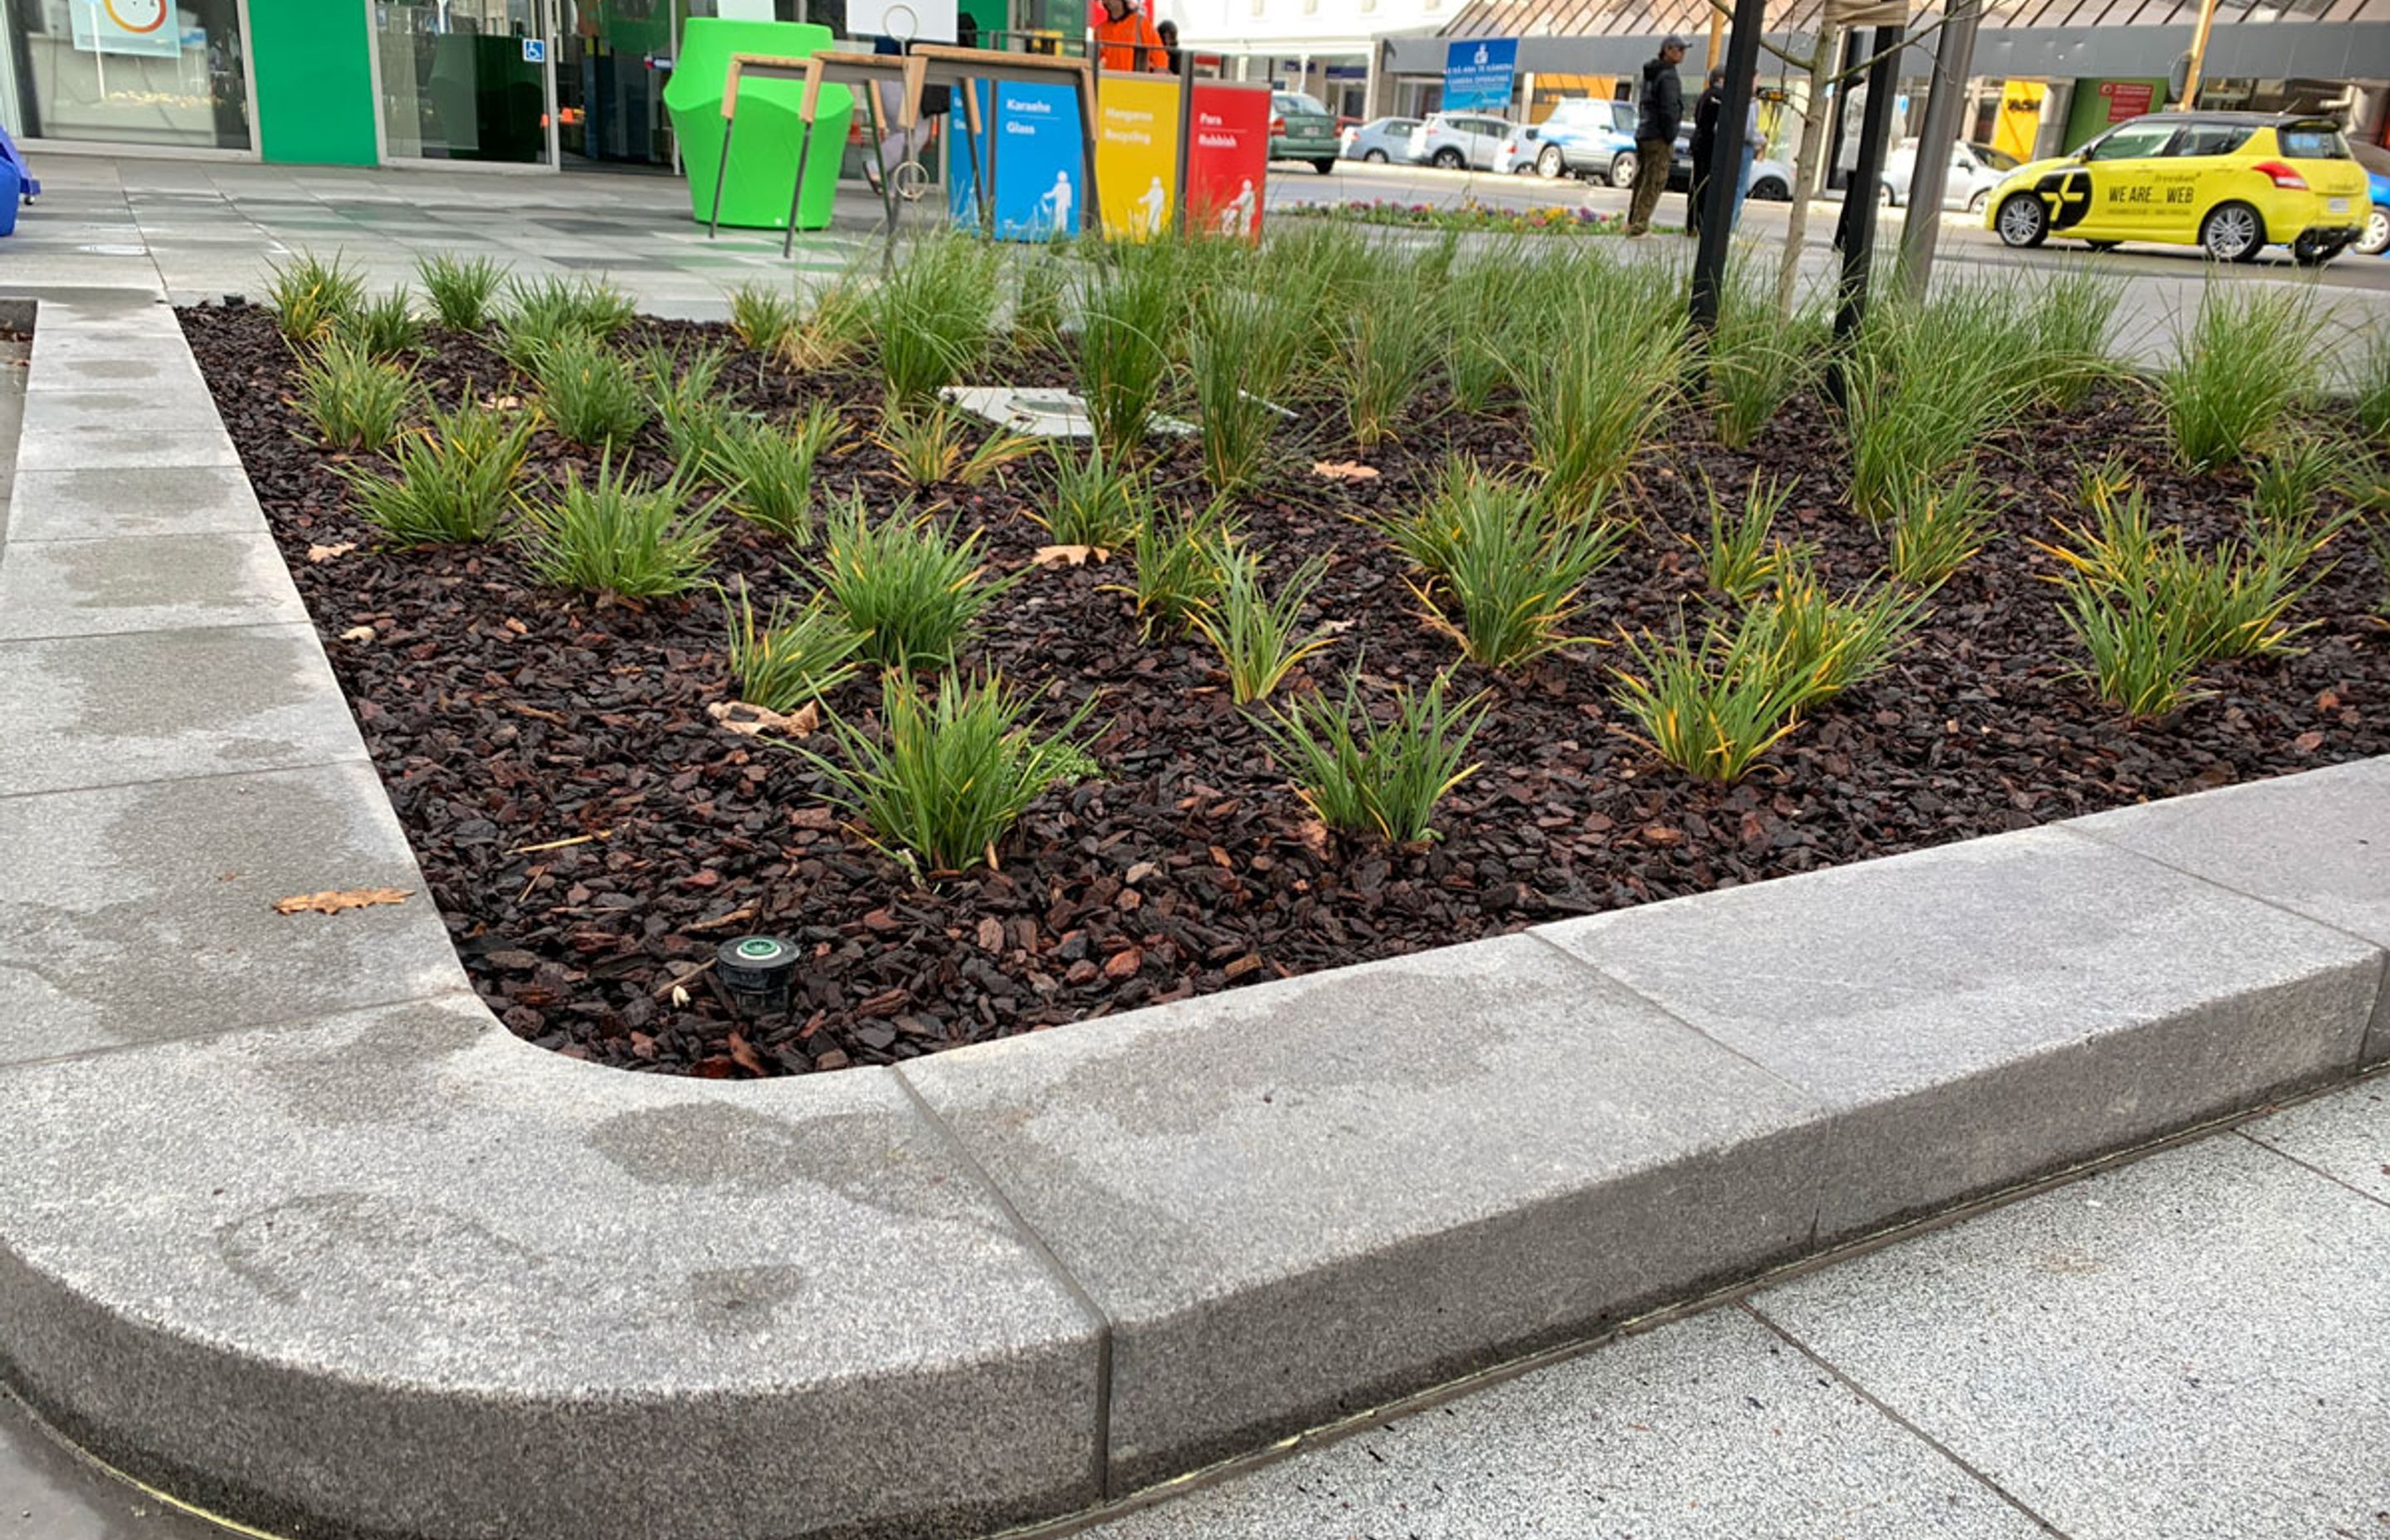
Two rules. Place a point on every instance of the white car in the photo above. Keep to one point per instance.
(1455, 139)
(1975, 170)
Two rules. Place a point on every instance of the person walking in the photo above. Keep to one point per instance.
(1704, 147)
(1661, 114)
(1125, 37)
(1168, 31)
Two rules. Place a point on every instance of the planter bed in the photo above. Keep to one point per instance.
(510, 721)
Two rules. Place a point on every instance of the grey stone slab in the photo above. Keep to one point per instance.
(122, 446)
(2191, 1345)
(401, 1274)
(1294, 1200)
(148, 582)
(92, 504)
(139, 913)
(156, 372)
(1711, 1428)
(2316, 843)
(2345, 1134)
(71, 413)
(157, 705)
(70, 345)
(1987, 1011)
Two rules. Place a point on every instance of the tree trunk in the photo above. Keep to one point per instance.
(1805, 162)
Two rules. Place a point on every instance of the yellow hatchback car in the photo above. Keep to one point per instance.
(2231, 183)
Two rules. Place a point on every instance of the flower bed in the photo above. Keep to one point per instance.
(1551, 219)
(595, 817)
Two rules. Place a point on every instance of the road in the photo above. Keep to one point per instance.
(1963, 240)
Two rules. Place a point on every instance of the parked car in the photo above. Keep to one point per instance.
(1975, 170)
(2376, 162)
(2230, 183)
(1584, 136)
(1772, 181)
(1455, 139)
(1301, 130)
(1380, 140)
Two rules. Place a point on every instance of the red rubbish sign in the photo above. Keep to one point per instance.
(1228, 157)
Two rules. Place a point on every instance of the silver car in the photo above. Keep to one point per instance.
(1380, 140)
(1975, 170)
(1455, 139)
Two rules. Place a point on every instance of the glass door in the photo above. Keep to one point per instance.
(613, 57)
(466, 80)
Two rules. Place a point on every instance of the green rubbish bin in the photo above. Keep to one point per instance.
(764, 152)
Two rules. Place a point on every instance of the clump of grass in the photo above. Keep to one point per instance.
(798, 656)
(1260, 639)
(763, 316)
(767, 471)
(1390, 344)
(1242, 350)
(933, 315)
(1382, 779)
(1937, 527)
(2067, 328)
(356, 401)
(1743, 555)
(1131, 315)
(2369, 388)
(1477, 308)
(909, 590)
(1506, 569)
(1926, 384)
(1097, 502)
(2291, 481)
(588, 392)
(614, 535)
(1182, 563)
(1758, 358)
(687, 401)
(2144, 657)
(834, 324)
(385, 328)
(587, 305)
(2245, 362)
(950, 773)
(1837, 644)
(927, 446)
(311, 297)
(452, 479)
(1713, 705)
(462, 289)
(1597, 396)
(1041, 286)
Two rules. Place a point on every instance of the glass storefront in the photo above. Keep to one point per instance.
(168, 72)
(463, 80)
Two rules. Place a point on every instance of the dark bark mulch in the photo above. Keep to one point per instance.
(505, 718)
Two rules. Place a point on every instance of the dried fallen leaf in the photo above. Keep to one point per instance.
(1076, 556)
(332, 900)
(744, 1053)
(747, 719)
(321, 553)
(1344, 470)
(358, 634)
(2307, 743)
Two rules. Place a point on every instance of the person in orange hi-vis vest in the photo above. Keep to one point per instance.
(1126, 36)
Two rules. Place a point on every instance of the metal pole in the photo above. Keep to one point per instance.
(2197, 53)
(1726, 168)
(1954, 61)
(1859, 201)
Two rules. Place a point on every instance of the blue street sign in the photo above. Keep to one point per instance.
(534, 50)
(1040, 184)
(1478, 72)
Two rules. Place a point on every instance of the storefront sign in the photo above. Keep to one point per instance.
(2019, 120)
(1478, 75)
(1137, 152)
(2128, 99)
(1227, 158)
(1039, 183)
(145, 27)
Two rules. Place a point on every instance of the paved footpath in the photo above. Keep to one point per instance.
(2194, 1345)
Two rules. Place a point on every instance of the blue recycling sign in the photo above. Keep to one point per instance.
(1478, 73)
(1040, 181)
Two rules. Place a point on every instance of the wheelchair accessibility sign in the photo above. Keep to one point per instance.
(534, 50)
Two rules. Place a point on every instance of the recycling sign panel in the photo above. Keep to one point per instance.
(1478, 75)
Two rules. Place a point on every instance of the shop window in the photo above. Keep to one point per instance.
(131, 71)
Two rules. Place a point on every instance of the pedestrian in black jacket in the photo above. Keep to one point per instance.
(1655, 132)
(1704, 146)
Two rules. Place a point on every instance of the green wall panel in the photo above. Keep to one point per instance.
(315, 81)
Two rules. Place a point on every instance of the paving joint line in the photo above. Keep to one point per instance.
(2312, 1167)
